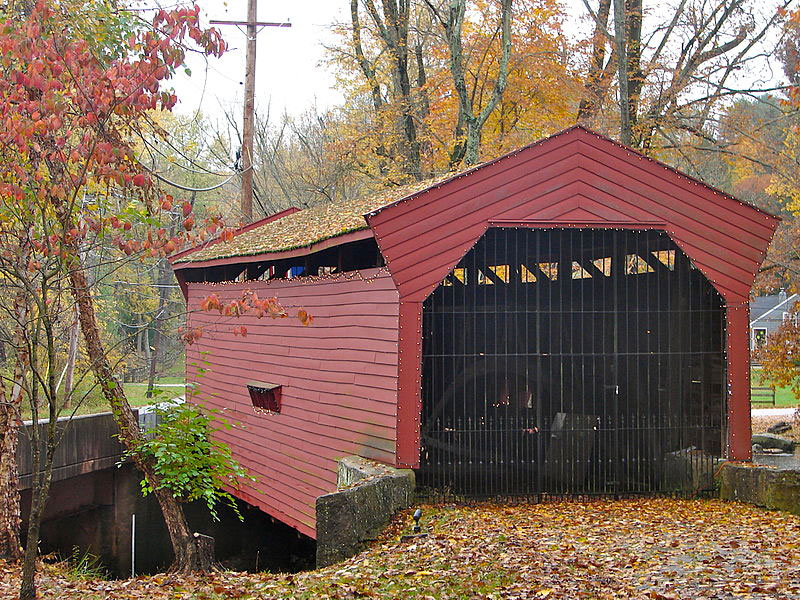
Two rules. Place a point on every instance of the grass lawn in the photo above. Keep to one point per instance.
(172, 379)
(135, 392)
(784, 398)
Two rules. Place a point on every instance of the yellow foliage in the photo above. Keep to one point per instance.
(540, 97)
(786, 183)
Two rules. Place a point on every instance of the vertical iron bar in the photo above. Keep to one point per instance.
(538, 307)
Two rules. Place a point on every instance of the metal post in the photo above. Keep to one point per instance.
(133, 545)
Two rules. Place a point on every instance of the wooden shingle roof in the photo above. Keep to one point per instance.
(306, 227)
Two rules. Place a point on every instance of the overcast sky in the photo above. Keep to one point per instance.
(289, 73)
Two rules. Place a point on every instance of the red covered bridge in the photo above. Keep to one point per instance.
(569, 318)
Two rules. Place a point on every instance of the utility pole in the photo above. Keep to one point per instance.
(248, 120)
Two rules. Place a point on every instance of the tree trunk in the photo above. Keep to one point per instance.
(163, 293)
(9, 496)
(40, 492)
(599, 77)
(453, 24)
(189, 555)
(621, 43)
(633, 10)
(72, 358)
(42, 475)
(393, 30)
(146, 347)
(9, 421)
(40, 338)
(472, 142)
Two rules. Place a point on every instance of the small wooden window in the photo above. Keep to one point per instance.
(265, 396)
(759, 337)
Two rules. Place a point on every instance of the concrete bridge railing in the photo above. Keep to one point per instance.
(89, 444)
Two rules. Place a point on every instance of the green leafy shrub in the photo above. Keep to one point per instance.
(189, 462)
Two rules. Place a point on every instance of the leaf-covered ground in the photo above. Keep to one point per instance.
(761, 424)
(658, 549)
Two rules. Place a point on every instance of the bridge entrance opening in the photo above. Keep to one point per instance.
(572, 361)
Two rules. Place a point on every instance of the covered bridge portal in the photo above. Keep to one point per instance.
(569, 318)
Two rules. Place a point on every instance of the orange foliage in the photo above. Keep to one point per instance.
(657, 549)
(541, 95)
(248, 304)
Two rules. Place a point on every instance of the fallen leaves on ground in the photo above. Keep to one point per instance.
(761, 424)
(657, 549)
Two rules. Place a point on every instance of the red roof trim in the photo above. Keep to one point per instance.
(279, 215)
(555, 224)
(353, 236)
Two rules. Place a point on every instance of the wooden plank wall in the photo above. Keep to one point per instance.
(339, 378)
(557, 180)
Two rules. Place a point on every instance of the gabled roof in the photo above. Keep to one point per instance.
(768, 306)
(574, 178)
(303, 228)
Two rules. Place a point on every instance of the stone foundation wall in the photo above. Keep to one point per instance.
(777, 489)
(368, 495)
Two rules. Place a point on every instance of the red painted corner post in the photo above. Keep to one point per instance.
(409, 378)
(739, 432)
(181, 277)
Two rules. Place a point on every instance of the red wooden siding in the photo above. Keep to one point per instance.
(573, 179)
(339, 378)
(409, 384)
(575, 176)
(739, 425)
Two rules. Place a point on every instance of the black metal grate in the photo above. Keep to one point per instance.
(572, 362)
